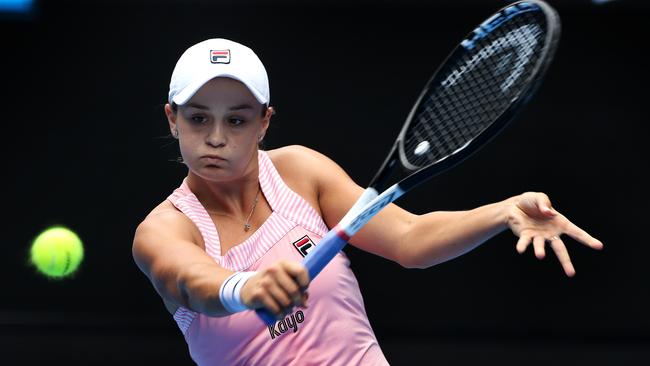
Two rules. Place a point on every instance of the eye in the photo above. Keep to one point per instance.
(235, 121)
(198, 119)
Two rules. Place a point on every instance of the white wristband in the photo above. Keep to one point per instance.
(230, 292)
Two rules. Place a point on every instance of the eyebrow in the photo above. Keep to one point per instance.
(233, 108)
(241, 106)
(197, 106)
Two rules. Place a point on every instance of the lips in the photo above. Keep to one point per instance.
(215, 158)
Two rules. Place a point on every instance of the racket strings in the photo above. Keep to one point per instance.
(475, 90)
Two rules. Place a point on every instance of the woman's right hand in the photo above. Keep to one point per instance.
(277, 288)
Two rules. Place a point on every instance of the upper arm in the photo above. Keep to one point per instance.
(165, 249)
(335, 194)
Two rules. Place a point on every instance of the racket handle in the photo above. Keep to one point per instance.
(266, 316)
(327, 248)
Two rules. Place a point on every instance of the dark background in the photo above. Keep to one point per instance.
(85, 144)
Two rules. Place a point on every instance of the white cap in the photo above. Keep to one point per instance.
(213, 58)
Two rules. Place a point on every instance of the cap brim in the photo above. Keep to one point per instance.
(188, 92)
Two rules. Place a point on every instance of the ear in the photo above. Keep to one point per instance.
(266, 121)
(171, 118)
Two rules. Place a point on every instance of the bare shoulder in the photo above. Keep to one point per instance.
(164, 215)
(296, 161)
(164, 221)
(304, 170)
(297, 155)
(317, 178)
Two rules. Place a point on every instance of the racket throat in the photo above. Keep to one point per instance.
(368, 195)
(352, 223)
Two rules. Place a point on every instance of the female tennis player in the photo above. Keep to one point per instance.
(232, 236)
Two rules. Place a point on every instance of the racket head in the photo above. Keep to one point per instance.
(479, 88)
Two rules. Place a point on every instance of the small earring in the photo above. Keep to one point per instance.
(259, 139)
(175, 133)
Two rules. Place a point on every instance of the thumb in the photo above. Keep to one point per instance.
(545, 207)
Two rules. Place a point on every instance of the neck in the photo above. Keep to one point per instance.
(234, 198)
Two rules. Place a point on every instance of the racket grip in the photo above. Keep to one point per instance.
(266, 316)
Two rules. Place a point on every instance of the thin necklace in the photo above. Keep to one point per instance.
(247, 224)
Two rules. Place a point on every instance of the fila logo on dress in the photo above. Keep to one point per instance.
(304, 245)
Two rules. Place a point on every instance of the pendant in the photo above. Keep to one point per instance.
(247, 227)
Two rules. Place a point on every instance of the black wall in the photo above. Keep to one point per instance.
(85, 145)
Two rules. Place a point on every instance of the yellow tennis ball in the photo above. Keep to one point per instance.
(57, 252)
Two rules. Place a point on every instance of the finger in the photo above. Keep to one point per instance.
(523, 243)
(303, 300)
(544, 205)
(285, 305)
(582, 236)
(538, 243)
(298, 271)
(267, 301)
(280, 296)
(289, 285)
(269, 286)
(563, 256)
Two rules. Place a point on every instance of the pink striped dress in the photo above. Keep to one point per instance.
(334, 330)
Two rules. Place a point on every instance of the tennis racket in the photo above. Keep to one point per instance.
(472, 96)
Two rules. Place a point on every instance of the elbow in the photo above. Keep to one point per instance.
(418, 263)
(410, 260)
(413, 264)
(186, 286)
(197, 290)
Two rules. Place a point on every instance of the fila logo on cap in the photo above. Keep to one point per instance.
(220, 56)
(304, 245)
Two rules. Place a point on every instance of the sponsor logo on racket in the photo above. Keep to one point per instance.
(521, 40)
(303, 245)
(220, 56)
(490, 24)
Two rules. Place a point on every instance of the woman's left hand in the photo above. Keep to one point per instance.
(532, 218)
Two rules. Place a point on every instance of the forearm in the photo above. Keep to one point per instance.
(278, 288)
(443, 235)
(198, 288)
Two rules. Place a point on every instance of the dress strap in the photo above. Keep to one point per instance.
(285, 201)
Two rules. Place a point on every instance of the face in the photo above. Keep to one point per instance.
(219, 129)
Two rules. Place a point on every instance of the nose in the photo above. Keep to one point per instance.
(216, 136)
